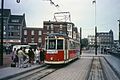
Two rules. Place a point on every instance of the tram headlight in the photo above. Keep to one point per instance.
(51, 58)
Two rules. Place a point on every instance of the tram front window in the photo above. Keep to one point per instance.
(59, 44)
(52, 44)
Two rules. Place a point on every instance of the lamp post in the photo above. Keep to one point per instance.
(80, 41)
(119, 31)
(95, 40)
(94, 2)
(1, 46)
(2, 26)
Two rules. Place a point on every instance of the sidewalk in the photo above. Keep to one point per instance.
(6, 71)
(9, 72)
(114, 63)
(7, 60)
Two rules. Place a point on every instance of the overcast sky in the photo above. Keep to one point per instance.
(82, 13)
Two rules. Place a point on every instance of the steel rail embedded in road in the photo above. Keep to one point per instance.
(96, 72)
(35, 74)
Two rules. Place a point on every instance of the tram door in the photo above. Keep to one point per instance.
(66, 49)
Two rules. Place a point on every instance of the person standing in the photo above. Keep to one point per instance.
(21, 55)
(31, 55)
(15, 57)
(37, 55)
(42, 52)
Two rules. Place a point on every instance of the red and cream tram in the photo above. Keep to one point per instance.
(60, 49)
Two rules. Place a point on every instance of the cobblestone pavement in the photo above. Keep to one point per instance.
(75, 71)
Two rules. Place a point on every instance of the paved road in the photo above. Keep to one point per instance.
(74, 71)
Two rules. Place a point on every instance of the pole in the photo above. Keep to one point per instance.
(94, 2)
(1, 47)
(95, 40)
(80, 41)
(119, 31)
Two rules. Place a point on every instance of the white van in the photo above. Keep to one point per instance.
(23, 46)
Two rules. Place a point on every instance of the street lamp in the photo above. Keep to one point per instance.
(1, 46)
(80, 41)
(95, 40)
(18, 1)
(119, 30)
(94, 2)
(2, 26)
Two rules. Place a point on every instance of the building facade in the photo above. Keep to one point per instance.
(13, 26)
(32, 36)
(16, 32)
(104, 39)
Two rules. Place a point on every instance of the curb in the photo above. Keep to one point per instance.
(20, 73)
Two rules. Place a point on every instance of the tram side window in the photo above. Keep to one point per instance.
(59, 44)
(52, 44)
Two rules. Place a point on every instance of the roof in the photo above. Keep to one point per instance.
(6, 12)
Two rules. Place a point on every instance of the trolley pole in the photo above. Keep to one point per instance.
(95, 40)
(80, 41)
(1, 46)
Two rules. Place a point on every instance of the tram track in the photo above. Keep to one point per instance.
(35, 74)
(96, 72)
(100, 69)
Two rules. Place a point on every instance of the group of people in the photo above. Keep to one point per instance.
(21, 58)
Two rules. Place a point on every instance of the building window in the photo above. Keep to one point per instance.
(4, 27)
(18, 34)
(40, 33)
(11, 28)
(12, 33)
(25, 32)
(25, 40)
(9, 34)
(5, 21)
(16, 27)
(47, 27)
(61, 26)
(51, 26)
(32, 32)
(39, 39)
(32, 40)
(4, 33)
(15, 20)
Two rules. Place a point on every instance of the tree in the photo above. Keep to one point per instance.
(84, 42)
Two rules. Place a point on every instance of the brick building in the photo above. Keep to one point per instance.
(33, 36)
